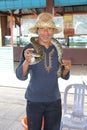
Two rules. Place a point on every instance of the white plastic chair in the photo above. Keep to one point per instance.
(74, 117)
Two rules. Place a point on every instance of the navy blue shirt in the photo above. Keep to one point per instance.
(43, 84)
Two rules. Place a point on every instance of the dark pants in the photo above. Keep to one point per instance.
(51, 111)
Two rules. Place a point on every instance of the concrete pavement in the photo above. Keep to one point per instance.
(12, 101)
(12, 108)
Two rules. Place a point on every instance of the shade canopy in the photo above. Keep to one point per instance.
(69, 2)
(21, 4)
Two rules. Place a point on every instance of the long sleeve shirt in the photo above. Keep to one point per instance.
(43, 84)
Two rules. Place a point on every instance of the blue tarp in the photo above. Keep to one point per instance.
(69, 2)
(21, 4)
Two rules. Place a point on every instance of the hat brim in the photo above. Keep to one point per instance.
(56, 29)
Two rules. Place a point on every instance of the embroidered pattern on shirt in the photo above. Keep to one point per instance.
(48, 65)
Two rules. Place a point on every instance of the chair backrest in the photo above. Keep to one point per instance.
(78, 101)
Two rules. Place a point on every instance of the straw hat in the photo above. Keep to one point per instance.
(45, 20)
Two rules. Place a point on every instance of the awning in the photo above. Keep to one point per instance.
(21, 4)
(69, 2)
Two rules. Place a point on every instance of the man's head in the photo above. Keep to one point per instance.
(45, 20)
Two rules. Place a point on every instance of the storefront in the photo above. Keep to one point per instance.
(14, 26)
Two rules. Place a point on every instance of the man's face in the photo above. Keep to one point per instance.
(45, 34)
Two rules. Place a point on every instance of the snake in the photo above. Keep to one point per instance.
(60, 55)
(38, 56)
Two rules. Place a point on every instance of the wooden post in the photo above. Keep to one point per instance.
(50, 6)
(11, 29)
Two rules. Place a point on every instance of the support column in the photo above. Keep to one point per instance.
(11, 29)
(3, 26)
(50, 6)
(0, 33)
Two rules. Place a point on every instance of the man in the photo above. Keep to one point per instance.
(42, 94)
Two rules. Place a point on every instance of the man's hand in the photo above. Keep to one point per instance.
(67, 66)
(28, 55)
